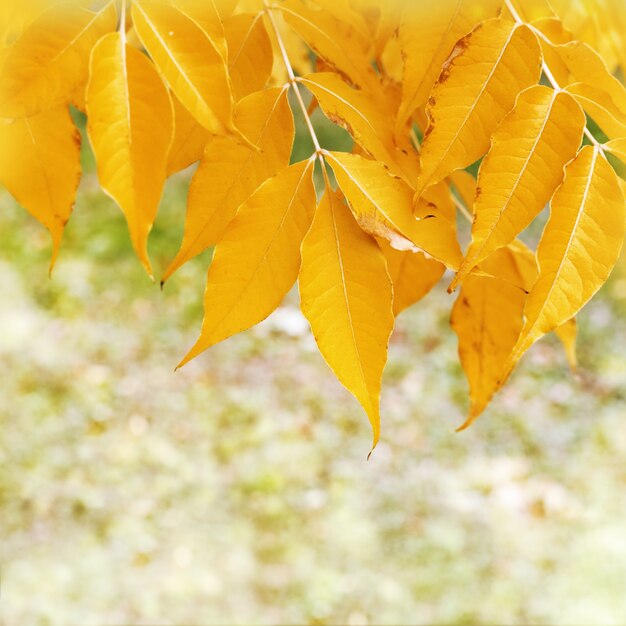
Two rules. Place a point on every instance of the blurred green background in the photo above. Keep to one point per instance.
(237, 491)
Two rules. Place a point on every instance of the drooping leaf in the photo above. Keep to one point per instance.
(383, 206)
(522, 169)
(413, 275)
(130, 129)
(206, 15)
(600, 106)
(342, 47)
(427, 34)
(40, 167)
(367, 118)
(230, 172)
(257, 261)
(189, 61)
(487, 318)
(346, 295)
(250, 56)
(578, 249)
(51, 59)
(617, 147)
(567, 333)
(585, 65)
(476, 89)
(464, 184)
(190, 139)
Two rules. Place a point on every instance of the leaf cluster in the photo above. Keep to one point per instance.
(425, 92)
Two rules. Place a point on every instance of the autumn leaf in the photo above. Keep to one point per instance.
(257, 260)
(475, 90)
(342, 47)
(383, 206)
(369, 120)
(189, 61)
(206, 15)
(487, 318)
(230, 172)
(567, 334)
(346, 295)
(413, 275)
(440, 26)
(51, 58)
(578, 249)
(189, 141)
(130, 130)
(250, 56)
(40, 166)
(522, 169)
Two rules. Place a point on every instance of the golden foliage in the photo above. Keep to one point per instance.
(424, 90)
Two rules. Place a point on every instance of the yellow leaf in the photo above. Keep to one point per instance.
(205, 14)
(344, 48)
(412, 275)
(617, 147)
(585, 65)
(257, 261)
(40, 166)
(383, 206)
(578, 249)
(189, 61)
(441, 196)
(428, 31)
(487, 318)
(601, 108)
(465, 186)
(522, 169)
(230, 172)
(567, 335)
(250, 55)
(345, 294)
(190, 139)
(51, 59)
(532, 10)
(476, 89)
(130, 129)
(225, 7)
(366, 117)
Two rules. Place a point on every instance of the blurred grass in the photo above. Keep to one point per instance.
(236, 491)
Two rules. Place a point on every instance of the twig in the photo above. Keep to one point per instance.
(292, 80)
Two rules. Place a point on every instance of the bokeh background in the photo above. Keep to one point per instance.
(237, 491)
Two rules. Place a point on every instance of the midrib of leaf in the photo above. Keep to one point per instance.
(231, 62)
(87, 26)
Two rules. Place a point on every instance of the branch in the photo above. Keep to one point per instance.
(292, 80)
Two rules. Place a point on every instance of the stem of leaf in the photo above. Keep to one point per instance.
(546, 70)
(293, 83)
